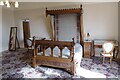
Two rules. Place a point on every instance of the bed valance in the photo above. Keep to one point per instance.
(63, 11)
(54, 22)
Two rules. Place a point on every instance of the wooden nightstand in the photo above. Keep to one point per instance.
(87, 49)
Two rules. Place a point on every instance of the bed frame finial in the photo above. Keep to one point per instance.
(46, 12)
(73, 39)
(81, 6)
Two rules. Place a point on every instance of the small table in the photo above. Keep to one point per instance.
(97, 43)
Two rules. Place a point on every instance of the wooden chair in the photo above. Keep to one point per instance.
(108, 48)
(29, 42)
(30, 45)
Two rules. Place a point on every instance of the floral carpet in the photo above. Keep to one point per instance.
(17, 64)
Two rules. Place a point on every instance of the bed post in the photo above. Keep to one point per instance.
(35, 52)
(73, 50)
(81, 28)
(54, 27)
(46, 12)
(73, 66)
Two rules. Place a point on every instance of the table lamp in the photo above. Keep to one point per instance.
(88, 36)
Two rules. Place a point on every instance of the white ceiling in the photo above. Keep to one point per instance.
(49, 5)
(66, 0)
(36, 5)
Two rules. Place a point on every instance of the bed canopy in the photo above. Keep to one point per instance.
(56, 13)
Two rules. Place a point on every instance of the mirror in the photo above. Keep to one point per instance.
(12, 38)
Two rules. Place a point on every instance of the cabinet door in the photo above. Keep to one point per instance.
(87, 49)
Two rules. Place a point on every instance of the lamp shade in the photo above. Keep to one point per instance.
(88, 34)
(8, 4)
(1, 3)
(16, 4)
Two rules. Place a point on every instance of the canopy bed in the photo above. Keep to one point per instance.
(60, 54)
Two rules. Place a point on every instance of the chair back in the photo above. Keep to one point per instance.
(108, 47)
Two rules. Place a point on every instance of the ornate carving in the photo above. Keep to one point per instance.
(51, 60)
(53, 63)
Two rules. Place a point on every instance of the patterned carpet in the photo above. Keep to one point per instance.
(17, 64)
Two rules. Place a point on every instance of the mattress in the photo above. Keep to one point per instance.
(66, 52)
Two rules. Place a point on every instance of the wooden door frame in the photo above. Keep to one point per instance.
(25, 45)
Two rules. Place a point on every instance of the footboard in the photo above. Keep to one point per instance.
(58, 62)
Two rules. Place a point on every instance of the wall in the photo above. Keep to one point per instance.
(101, 20)
(0, 37)
(119, 27)
(0, 28)
(67, 27)
(39, 25)
(7, 22)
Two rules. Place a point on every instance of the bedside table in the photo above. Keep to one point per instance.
(87, 49)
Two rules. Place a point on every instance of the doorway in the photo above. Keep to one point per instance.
(26, 32)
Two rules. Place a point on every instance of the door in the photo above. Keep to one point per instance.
(26, 32)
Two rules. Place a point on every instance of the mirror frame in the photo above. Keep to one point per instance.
(12, 39)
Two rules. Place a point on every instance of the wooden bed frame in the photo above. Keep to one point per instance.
(58, 62)
(65, 63)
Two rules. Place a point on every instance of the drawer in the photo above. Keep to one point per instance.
(86, 56)
(87, 49)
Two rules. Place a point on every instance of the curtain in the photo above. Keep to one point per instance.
(52, 26)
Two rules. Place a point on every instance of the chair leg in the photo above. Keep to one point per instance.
(103, 59)
(110, 60)
(34, 62)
